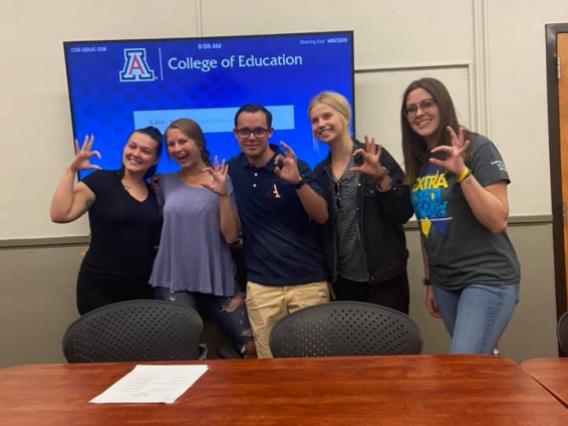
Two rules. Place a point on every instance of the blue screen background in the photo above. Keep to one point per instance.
(103, 105)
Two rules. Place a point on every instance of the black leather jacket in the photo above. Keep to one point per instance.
(381, 216)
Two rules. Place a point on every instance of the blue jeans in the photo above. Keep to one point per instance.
(476, 315)
(232, 320)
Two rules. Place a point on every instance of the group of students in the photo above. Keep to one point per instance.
(307, 237)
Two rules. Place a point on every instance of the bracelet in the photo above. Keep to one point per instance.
(426, 282)
(463, 175)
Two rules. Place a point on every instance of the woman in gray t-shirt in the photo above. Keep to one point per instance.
(194, 264)
(459, 193)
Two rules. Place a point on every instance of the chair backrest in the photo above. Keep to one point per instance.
(562, 333)
(345, 328)
(135, 330)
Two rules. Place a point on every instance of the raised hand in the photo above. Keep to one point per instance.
(286, 166)
(454, 161)
(83, 155)
(371, 164)
(218, 181)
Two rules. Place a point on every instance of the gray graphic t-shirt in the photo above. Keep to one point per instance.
(461, 250)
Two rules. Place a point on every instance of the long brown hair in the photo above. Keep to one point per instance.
(414, 147)
(192, 130)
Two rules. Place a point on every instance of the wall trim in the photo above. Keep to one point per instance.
(199, 18)
(472, 84)
(530, 219)
(480, 69)
(391, 68)
(81, 240)
(44, 242)
(516, 221)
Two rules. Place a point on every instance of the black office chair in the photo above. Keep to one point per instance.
(135, 330)
(562, 333)
(345, 328)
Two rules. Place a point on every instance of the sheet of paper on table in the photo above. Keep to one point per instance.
(152, 384)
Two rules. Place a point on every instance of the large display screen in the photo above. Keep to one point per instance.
(116, 86)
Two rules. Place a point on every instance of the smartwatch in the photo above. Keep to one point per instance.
(300, 183)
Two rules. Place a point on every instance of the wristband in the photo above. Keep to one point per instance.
(463, 175)
(300, 183)
(426, 282)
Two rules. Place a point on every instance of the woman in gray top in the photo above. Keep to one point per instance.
(459, 193)
(194, 264)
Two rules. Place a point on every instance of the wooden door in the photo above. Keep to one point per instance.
(562, 58)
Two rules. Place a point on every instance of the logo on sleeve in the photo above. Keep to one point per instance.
(136, 66)
(500, 165)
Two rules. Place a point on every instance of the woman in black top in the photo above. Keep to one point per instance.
(124, 219)
(363, 239)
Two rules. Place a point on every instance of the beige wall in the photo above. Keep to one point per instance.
(490, 54)
(38, 300)
(37, 303)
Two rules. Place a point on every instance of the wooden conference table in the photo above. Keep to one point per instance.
(552, 373)
(389, 390)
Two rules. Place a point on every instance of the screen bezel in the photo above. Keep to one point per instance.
(207, 39)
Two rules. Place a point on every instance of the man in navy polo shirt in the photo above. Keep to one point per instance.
(280, 204)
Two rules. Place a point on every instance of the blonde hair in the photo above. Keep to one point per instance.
(334, 100)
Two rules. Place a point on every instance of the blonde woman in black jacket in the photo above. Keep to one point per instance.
(363, 240)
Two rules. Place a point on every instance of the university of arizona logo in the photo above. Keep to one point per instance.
(275, 193)
(272, 192)
(136, 67)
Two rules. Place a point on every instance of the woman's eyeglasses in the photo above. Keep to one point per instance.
(426, 105)
(245, 132)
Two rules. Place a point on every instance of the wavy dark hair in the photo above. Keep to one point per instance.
(156, 136)
(192, 130)
(252, 108)
(414, 147)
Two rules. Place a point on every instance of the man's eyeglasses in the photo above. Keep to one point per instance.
(426, 105)
(245, 132)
